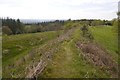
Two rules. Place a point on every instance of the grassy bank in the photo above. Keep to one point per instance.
(69, 62)
(107, 38)
(17, 47)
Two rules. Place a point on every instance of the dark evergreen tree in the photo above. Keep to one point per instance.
(14, 25)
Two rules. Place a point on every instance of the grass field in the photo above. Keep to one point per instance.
(22, 51)
(69, 63)
(15, 47)
(107, 38)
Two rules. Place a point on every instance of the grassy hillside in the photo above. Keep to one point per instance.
(70, 63)
(16, 47)
(107, 38)
(59, 53)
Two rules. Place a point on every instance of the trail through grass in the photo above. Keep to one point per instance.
(24, 51)
(20, 50)
(69, 63)
(19, 45)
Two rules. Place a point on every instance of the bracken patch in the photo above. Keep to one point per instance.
(99, 57)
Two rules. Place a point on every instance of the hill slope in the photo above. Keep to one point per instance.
(60, 54)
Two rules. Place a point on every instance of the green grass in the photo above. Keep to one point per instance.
(17, 44)
(107, 38)
(17, 47)
(68, 62)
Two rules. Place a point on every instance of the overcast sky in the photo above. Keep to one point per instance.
(59, 9)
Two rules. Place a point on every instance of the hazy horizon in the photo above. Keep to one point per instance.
(59, 9)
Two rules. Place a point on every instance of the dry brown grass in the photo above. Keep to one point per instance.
(98, 57)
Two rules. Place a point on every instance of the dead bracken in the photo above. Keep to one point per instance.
(99, 57)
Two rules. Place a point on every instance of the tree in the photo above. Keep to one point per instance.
(115, 25)
(19, 27)
(97, 23)
(15, 25)
(84, 30)
(6, 30)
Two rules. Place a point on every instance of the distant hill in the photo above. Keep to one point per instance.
(34, 20)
